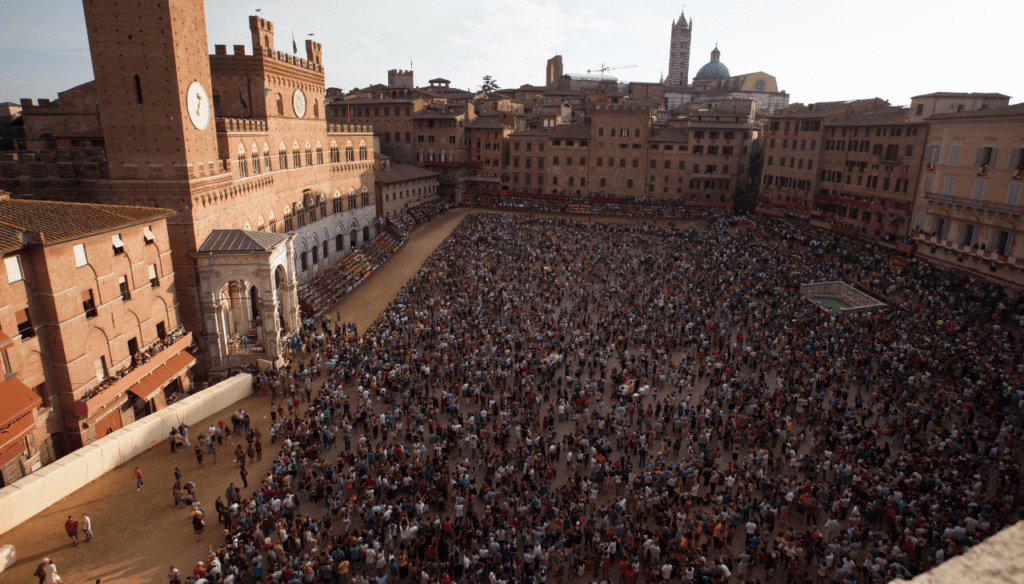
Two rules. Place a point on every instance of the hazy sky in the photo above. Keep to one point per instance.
(819, 50)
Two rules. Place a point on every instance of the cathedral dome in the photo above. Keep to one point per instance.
(714, 69)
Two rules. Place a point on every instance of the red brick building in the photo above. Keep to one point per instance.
(227, 142)
(90, 333)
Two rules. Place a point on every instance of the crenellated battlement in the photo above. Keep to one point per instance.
(241, 125)
(349, 129)
(400, 78)
(267, 53)
(83, 163)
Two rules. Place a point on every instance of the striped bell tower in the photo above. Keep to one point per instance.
(679, 53)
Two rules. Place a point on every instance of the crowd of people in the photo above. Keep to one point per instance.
(560, 401)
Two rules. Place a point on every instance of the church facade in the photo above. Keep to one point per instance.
(713, 82)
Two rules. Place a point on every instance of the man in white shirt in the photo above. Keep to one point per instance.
(666, 571)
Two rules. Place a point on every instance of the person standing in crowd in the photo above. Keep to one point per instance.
(71, 528)
(767, 405)
(52, 577)
(87, 527)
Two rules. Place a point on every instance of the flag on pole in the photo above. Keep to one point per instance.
(242, 99)
(348, 113)
(295, 47)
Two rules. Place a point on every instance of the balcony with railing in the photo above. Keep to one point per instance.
(995, 256)
(156, 365)
(975, 203)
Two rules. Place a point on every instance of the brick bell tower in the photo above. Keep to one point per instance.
(153, 86)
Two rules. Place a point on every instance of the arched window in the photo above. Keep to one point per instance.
(322, 203)
(302, 261)
(288, 220)
(266, 156)
(255, 160)
(362, 151)
(242, 170)
(309, 155)
(280, 105)
(282, 157)
(296, 156)
(339, 243)
(365, 197)
(350, 153)
(273, 222)
(326, 249)
(316, 255)
(260, 226)
(366, 234)
(319, 153)
(337, 202)
(351, 199)
(335, 153)
(138, 89)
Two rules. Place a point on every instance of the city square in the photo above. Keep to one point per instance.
(704, 329)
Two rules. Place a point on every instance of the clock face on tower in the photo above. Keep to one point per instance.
(198, 105)
(299, 103)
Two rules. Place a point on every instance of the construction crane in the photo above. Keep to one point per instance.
(603, 68)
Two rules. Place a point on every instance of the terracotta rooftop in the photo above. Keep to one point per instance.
(956, 94)
(16, 400)
(885, 116)
(24, 221)
(531, 133)
(571, 132)
(403, 172)
(988, 112)
(480, 124)
(819, 110)
(437, 115)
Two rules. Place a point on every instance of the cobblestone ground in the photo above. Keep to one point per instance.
(140, 534)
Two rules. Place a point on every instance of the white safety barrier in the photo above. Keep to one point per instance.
(32, 494)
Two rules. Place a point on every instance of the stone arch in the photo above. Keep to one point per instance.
(97, 341)
(158, 307)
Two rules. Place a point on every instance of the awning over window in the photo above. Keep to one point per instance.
(10, 438)
(162, 375)
(16, 400)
